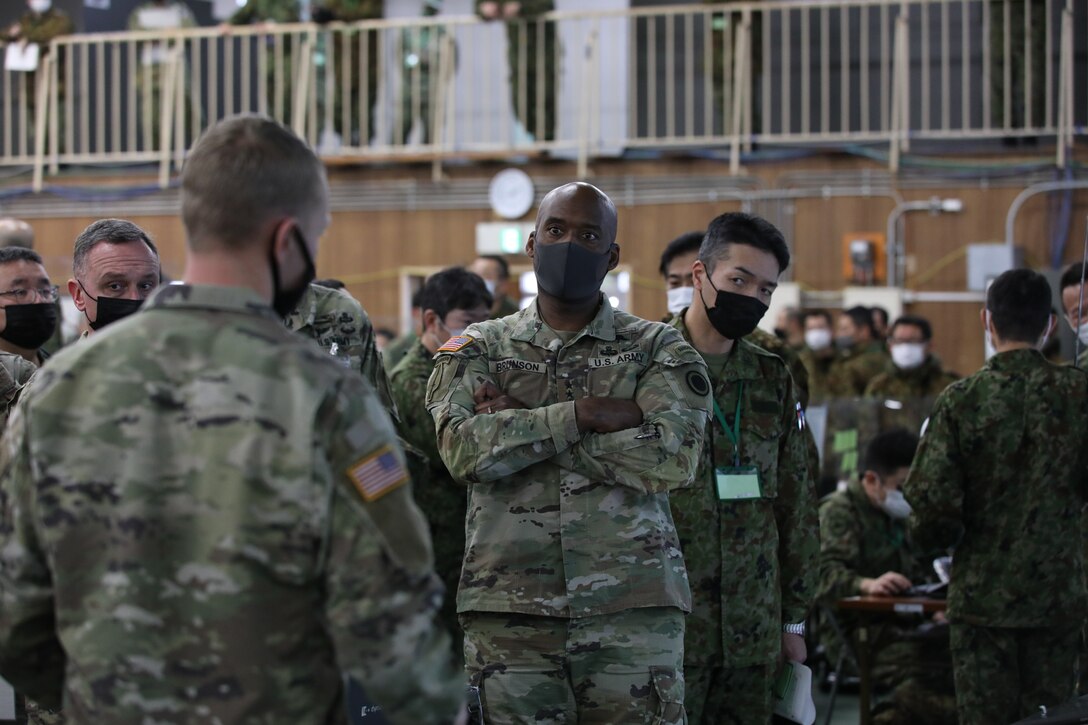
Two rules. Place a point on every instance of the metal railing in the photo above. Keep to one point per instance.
(572, 84)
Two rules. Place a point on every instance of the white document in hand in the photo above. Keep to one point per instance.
(22, 57)
(793, 694)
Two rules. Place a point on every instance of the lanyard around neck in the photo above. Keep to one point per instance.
(734, 432)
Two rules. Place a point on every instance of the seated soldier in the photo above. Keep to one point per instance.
(865, 550)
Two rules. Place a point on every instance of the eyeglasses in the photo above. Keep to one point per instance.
(22, 296)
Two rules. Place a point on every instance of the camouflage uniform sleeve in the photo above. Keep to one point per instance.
(382, 595)
(417, 426)
(490, 447)
(371, 366)
(31, 658)
(663, 453)
(840, 550)
(797, 518)
(934, 487)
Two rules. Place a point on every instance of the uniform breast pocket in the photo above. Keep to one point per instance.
(762, 436)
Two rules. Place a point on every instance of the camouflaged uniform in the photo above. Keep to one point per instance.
(570, 539)
(752, 564)
(535, 65)
(818, 366)
(505, 306)
(395, 351)
(206, 552)
(926, 380)
(859, 541)
(444, 501)
(773, 345)
(15, 372)
(148, 77)
(855, 368)
(340, 325)
(1001, 474)
(41, 28)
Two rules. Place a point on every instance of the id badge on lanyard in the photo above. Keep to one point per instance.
(736, 482)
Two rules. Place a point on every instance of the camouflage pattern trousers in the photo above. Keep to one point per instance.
(1004, 674)
(719, 695)
(625, 667)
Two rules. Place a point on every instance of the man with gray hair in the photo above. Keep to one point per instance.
(15, 233)
(238, 534)
(115, 266)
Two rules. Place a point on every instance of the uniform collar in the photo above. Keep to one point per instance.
(1015, 360)
(530, 326)
(206, 297)
(743, 358)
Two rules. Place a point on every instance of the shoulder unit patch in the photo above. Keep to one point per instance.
(377, 474)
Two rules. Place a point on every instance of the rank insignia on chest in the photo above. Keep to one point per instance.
(800, 418)
(377, 474)
(456, 343)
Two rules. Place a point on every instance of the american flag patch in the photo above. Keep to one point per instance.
(378, 474)
(456, 343)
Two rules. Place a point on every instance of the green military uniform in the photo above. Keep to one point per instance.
(15, 372)
(1001, 473)
(529, 42)
(348, 42)
(281, 71)
(570, 532)
(859, 541)
(421, 48)
(796, 366)
(234, 534)
(149, 75)
(925, 381)
(752, 563)
(395, 351)
(340, 325)
(818, 366)
(1018, 63)
(853, 369)
(504, 306)
(41, 28)
(443, 501)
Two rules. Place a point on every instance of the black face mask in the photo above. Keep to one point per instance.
(29, 326)
(733, 315)
(569, 271)
(284, 301)
(110, 309)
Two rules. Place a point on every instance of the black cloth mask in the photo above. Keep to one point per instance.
(569, 271)
(110, 309)
(284, 301)
(30, 326)
(733, 315)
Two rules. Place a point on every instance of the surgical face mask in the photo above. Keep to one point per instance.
(569, 271)
(284, 301)
(451, 331)
(908, 355)
(844, 342)
(491, 286)
(895, 505)
(30, 326)
(734, 315)
(41, 6)
(680, 298)
(110, 309)
(818, 338)
(1082, 333)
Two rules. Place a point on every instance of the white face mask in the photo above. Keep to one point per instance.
(41, 6)
(490, 284)
(908, 355)
(1082, 333)
(453, 331)
(818, 338)
(679, 298)
(895, 505)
